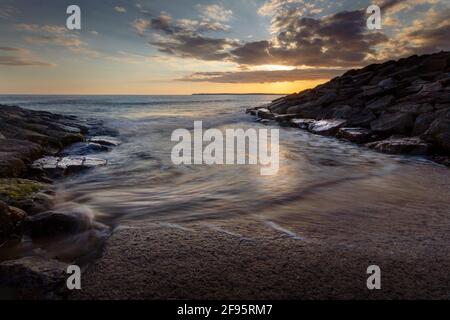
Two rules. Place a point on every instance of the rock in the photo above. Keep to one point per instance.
(362, 118)
(305, 110)
(16, 191)
(11, 166)
(110, 141)
(55, 166)
(423, 122)
(439, 134)
(356, 135)
(262, 113)
(67, 128)
(411, 107)
(32, 278)
(342, 112)
(55, 224)
(411, 146)
(389, 123)
(326, 127)
(302, 123)
(83, 149)
(388, 83)
(283, 118)
(380, 104)
(372, 91)
(2, 137)
(11, 222)
(327, 98)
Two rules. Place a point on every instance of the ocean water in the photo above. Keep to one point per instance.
(325, 190)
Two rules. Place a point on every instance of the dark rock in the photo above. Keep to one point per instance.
(55, 224)
(380, 104)
(423, 122)
(262, 113)
(113, 142)
(342, 112)
(11, 221)
(326, 127)
(388, 83)
(439, 134)
(32, 278)
(301, 123)
(356, 135)
(362, 118)
(24, 194)
(411, 107)
(411, 146)
(83, 149)
(390, 123)
(282, 118)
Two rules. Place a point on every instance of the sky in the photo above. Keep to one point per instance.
(196, 46)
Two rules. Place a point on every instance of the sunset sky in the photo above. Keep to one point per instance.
(197, 46)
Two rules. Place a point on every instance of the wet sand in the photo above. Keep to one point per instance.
(316, 247)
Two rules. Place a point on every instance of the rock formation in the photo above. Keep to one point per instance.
(396, 107)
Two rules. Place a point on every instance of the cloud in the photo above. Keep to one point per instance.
(55, 35)
(120, 9)
(185, 37)
(7, 11)
(19, 57)
(141, 25)
(263, 76)
(215, 12)
(340, 39)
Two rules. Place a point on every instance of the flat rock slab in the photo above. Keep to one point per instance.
(105, 141)
(302, 123)
(411, 146)
(326, 127)
(59, 166)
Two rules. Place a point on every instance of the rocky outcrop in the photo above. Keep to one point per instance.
(35, 147)
(399, 106)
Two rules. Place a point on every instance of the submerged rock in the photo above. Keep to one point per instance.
(411, 146)
(301, 123)
(32, 278)
(105, 141)
(83, 149)
(56, 224)
(356, 135)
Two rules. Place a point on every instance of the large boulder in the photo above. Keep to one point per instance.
(32, 278)
(391, 123)
(439, 134)
(56, 224)
(380, 104)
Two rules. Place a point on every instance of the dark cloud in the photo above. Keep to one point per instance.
(185, 38)
(341, 39)
(263, 76)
